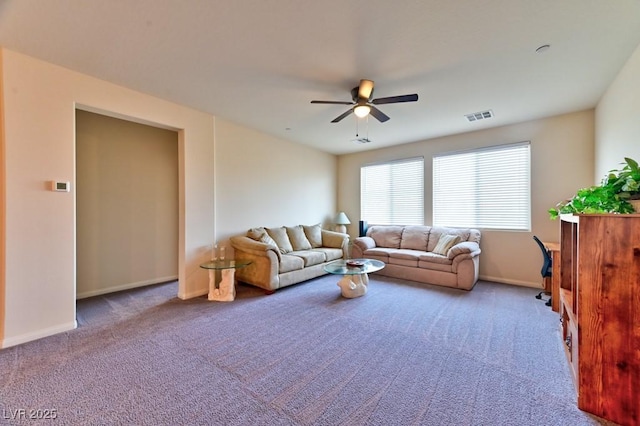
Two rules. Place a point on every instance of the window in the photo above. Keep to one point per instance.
(484, 188)
(393, 193)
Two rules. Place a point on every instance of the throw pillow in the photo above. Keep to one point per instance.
(281, 238)
(260, 234)
(297, 237)
(445, 243)
(314, 234)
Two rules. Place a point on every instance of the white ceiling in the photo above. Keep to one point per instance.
(260, 62)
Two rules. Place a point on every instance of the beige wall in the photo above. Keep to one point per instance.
(126, 204)
(617, 122)
(39, 103)
(37, 250)
(261, 181)
(264, 181)
(561, 161)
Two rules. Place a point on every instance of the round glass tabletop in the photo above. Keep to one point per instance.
(353, 266)
(225, 264)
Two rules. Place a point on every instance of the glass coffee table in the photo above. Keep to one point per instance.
(355, 279)
(225, 290)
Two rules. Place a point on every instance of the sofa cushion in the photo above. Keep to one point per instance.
(404, 257)
(412, 263)
(415, 237)
(310, 257)
(378, 253)
(297, 238)
(434, 266)
(314, 234)
(386, 236)
(291, 263)
(434, 258)
(281, 238)
(405, 254)
(445, 242)
(329, 253)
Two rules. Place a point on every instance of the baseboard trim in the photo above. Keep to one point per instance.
(128, 286)
(511, 282)
(193, 294)
(28, 337)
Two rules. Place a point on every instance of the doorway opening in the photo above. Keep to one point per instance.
(127, 204)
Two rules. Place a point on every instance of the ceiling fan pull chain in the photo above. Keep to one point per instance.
(367, 127)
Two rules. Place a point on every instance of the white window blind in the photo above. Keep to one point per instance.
(485, 188)
(393, 193)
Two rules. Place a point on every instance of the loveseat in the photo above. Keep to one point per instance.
(434, 255)
(286, 255)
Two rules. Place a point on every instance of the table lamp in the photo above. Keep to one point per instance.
(341, 220)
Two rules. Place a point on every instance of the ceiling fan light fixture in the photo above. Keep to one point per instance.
(362, 111)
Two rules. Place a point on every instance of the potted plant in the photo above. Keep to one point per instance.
(626, 181)
(618, 193)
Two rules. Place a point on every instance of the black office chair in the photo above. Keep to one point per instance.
(546, 267)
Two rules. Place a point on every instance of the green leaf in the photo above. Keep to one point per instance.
(633, 164)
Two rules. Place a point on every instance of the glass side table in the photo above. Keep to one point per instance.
(355, 280)
(225, 290)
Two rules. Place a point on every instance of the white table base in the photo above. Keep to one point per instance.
(226, 291)
(353, 286)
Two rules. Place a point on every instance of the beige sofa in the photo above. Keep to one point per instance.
(434, 255)
(286, 255)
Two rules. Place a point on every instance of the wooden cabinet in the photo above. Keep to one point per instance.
(600, 312)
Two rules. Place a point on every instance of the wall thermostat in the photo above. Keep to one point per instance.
(60, 186)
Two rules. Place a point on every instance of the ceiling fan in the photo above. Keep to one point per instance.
(363, 105)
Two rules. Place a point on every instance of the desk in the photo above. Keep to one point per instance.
(225, 290)
(554, 249)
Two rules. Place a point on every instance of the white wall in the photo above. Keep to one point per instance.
(561, 161)
(264, 181)
(617, 119)
(39, 102)
(126, 204)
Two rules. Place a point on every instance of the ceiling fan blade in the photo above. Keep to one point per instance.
(365, 89)
(379, 115)
(341, 116)
(395, 99)
(332, 102)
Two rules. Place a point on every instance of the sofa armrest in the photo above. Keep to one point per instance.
(264, 268)
(335, 240)
(247, 245)
(469, 248)
(360, 245)
(364, 243)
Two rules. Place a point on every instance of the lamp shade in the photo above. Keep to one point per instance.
(341, 219)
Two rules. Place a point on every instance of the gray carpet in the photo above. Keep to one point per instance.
(404, 354)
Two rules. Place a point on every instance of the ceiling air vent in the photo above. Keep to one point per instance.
(361, 140)
(479, 115)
